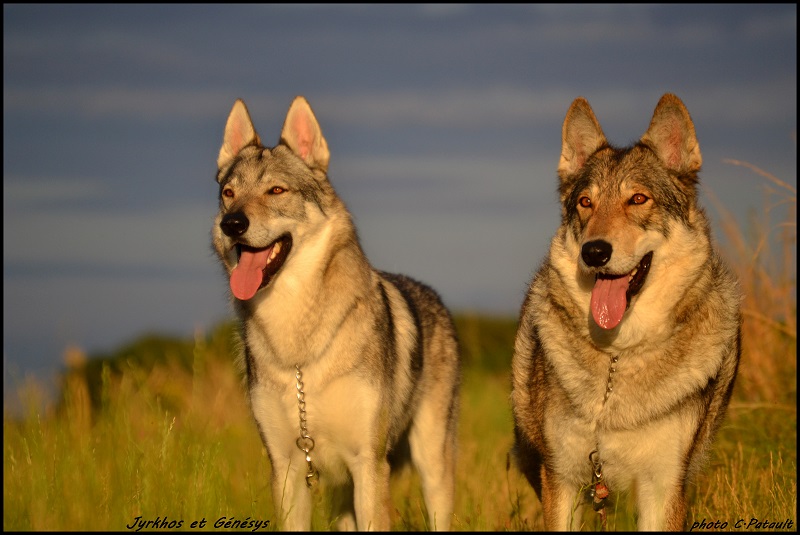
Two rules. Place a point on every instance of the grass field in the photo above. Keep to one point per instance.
(176, 441)
(160, 432)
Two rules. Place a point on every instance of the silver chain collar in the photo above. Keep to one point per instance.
(598, 490)
(304, 441)
(609, 384)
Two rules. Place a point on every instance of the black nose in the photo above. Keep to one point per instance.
(234, 224)
(596, 253)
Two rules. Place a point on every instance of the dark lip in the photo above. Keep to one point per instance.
(638, 279)
(272, 269)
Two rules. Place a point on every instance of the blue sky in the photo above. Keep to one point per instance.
(443, 122)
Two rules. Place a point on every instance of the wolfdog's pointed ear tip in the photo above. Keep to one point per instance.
(238, 104)
(670, 99)
(580, 107)
(580, 103)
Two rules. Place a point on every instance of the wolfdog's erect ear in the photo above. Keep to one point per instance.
(302, 134)
(239, 133)
(671, 135)
(581, 136)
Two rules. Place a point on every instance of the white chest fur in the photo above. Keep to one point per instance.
(339, 416)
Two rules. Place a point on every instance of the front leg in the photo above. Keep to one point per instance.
(661, 503)
(371, 493)
(660, 485)
(290, 494)
(558, 501)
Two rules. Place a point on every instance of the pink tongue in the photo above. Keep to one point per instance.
(249, 273)
(609, 302)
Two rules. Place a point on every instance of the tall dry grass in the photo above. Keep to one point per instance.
(764, 257)
(161, 442)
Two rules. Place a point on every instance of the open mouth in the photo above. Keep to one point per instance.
(257, 266)
(612, 294)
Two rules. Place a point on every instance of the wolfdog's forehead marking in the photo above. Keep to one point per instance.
(253, 165)
(622, 169)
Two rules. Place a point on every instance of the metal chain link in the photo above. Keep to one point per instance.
(599, 491)
(304, 442)
(609, 384)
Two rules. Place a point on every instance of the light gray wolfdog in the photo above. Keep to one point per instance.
(629, 337)
(346, 366)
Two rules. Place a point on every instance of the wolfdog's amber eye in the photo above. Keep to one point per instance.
(227, 192)
(638, 199)
(276, 190)
(586, 202)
